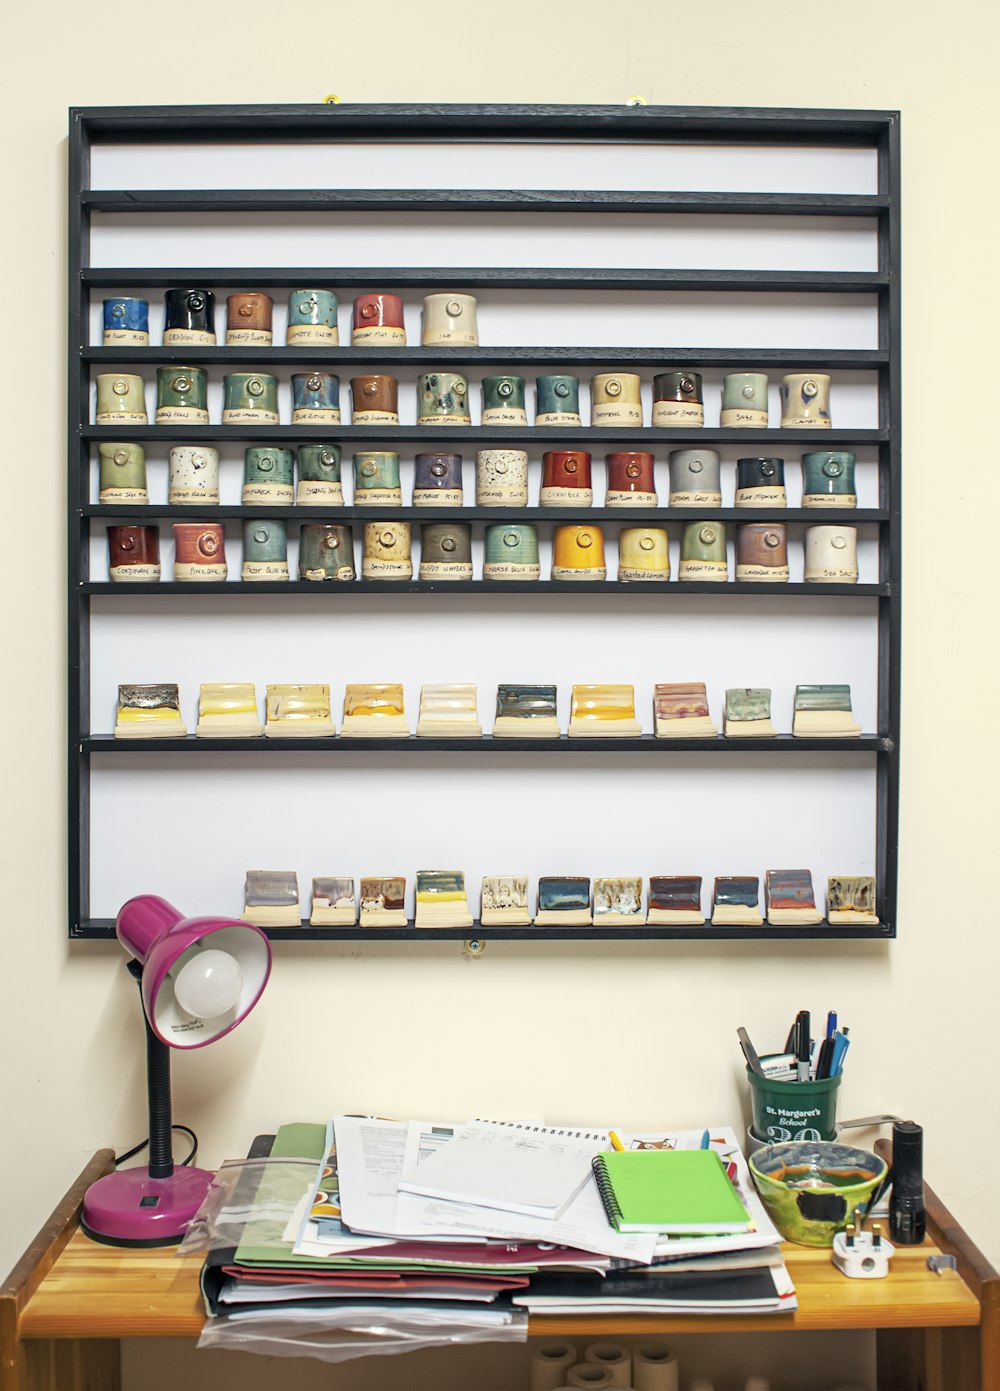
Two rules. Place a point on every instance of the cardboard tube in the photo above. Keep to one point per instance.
(588, 1376)
(616, 1357)
(655, 1367)
(550, 1362)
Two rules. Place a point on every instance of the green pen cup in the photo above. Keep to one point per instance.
(793, 1110)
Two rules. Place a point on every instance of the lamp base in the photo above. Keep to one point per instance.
(129, 1208)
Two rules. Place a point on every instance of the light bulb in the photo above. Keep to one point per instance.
(209, 984)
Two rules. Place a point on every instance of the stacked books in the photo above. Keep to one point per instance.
(377, 1222)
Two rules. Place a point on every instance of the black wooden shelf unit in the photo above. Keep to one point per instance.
(873, 131)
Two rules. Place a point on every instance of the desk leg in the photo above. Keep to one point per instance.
(928, 1359)
(66, 1364)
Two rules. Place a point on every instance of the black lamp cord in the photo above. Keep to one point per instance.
(188, 1159)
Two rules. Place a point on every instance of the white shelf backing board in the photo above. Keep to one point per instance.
(190, 825)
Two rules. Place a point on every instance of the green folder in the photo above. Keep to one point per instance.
(679, 1192)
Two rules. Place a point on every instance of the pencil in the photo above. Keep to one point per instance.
(616, 1144)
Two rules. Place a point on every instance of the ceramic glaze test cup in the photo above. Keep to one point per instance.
(557, 400)
(267, 475)
(744, 401)
(121, 399)
(250, 398)
(446, 551)
(122, 473)
(387, 551)
(190, 317)
(503, 401)
(134, 554)
(762, 552)
(694, 478)
(615, 399)
(828, 479)
(578, 553)
(181, 396)
(326, 552)
(265, 550)
(502, 478)
(678, 399)
(194, 475)
(760, 482)
(437, 480)
(511, 552)
(831, 555)
(449, 321)
(442, 399)
(126, 321)
(566, 479)
(312, 319)
(376, 479)
(630, 480)
(378, 319)
(199, 552)
(375, 400)
(319, 476)
(805, 401)
(643, 554)
(248, 319)
(315, 398)
(703, 553)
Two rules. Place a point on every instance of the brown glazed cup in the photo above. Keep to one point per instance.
(631, 472)
(375, 393)
(565, 477)
(130, 546)
(200, 543)
(378, 311)
(249, 309)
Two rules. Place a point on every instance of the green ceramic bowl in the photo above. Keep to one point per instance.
(812, 1188)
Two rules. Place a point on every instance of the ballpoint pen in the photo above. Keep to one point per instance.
(831, 1023)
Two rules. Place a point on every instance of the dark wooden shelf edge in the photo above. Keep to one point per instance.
(96, 928)
(676, 588)
(646, 743)
(627, 516)
(489, 436)
(278, 355)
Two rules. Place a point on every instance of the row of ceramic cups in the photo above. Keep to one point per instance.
(449, 320)
(251, 398)
(501, 477)
(326, 552)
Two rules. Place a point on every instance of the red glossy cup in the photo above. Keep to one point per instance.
(630, 473)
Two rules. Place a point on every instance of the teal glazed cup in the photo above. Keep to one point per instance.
(511, 552)
(250, 398)
(265, 550)
(267, 475)
(744, 401)
(828, 479)
(181, 396)
(376, 479)
(557, 400)
(442, 399)
(326, 552)
(315, 398)
(312, 319)
(503, 401)
(319, 476)
(122, 473)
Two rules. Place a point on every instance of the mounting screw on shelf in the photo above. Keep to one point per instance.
(474, 946)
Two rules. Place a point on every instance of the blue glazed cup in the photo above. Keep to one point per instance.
(828, 479)
(315, 398)
(126, 320)
(312, 318)
(511, 552)
(265, 550)
(376, 479)
(503, 401)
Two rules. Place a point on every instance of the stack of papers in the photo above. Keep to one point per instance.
(472, 1223)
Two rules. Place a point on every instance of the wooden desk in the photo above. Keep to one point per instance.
(69, 1302)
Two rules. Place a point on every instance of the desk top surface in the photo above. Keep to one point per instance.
(94, 1291)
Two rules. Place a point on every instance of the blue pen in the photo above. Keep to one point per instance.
(706, 1140)
(831, 1023)
(841, 1043)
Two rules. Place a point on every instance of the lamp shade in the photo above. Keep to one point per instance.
(200, 976)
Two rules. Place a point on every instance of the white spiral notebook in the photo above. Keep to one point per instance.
(516, 1167)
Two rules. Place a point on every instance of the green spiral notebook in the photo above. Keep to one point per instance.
(679, 1192)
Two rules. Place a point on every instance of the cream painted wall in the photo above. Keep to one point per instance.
(554, 1029)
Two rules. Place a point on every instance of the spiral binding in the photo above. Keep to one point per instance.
(604, 1188)
(546, 1129)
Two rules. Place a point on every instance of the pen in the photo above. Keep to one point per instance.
(841, 1043)
(802, 1045)
(825, 1059)
(706, 1140)
(749, 1052)
(831, 1023)
(616, 1144)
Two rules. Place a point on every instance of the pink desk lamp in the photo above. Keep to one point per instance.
(199, 977)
